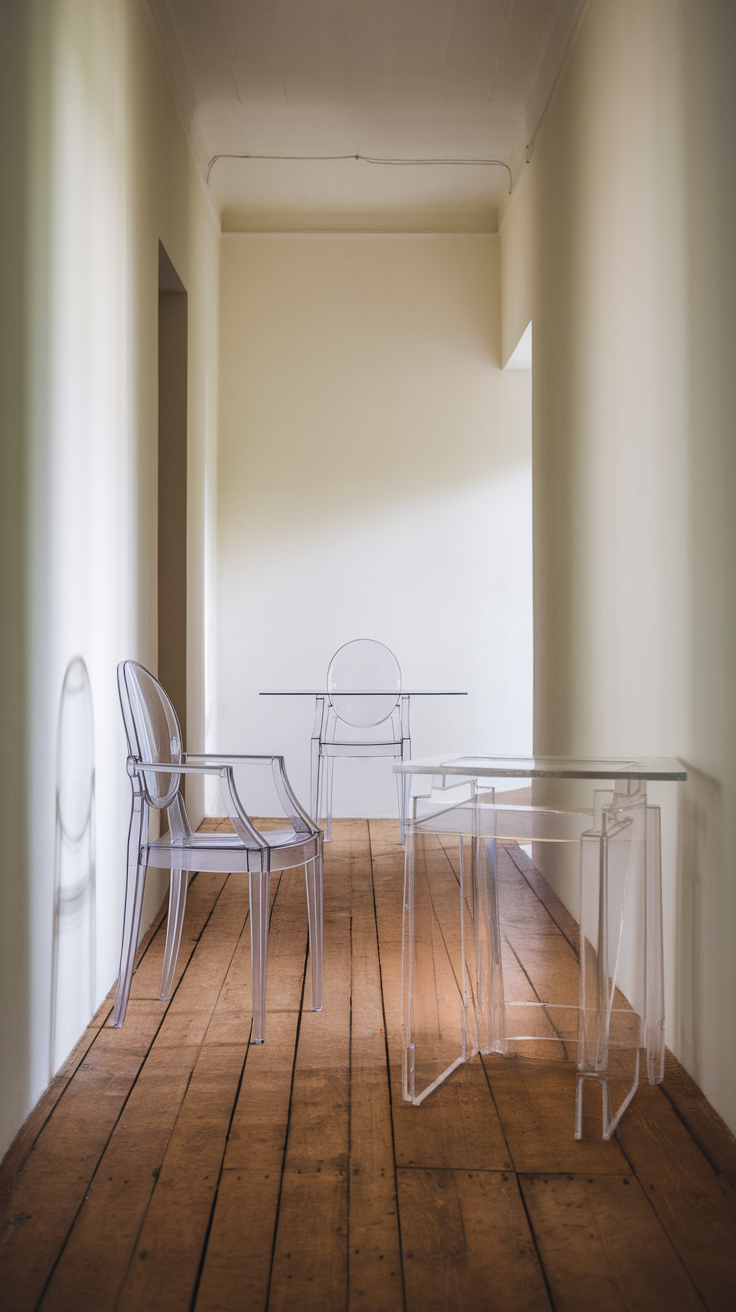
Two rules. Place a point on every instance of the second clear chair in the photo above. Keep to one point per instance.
(363, 713)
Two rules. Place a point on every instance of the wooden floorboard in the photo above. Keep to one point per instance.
(310, 1250)
(118, 1198)
(173, 1165)
(601, 1245)
(374, 1245)
(236, 1268)
(52, 1185)
(25, 1140)
(701, 1121)
(695, 1206)
(458, 1126)
(467, 1242)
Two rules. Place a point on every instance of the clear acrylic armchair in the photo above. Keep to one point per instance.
(363, 693)
(156, 767)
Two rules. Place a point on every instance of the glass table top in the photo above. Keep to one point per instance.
(363, 692)
(546, 767)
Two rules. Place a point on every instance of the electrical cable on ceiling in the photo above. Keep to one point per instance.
(367, 159)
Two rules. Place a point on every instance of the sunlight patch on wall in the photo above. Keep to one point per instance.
(521, 356)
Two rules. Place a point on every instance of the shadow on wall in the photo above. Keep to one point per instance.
(700, 851)
(75, 931)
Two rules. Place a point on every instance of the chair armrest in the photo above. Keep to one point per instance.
(134, 766)
(223, 767)
(292, 808)
(209, 758)
(242, 822)
(300, 821)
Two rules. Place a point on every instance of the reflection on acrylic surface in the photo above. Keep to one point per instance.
(73, 970)
(700, 861)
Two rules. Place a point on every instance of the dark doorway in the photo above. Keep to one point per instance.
(172, 485)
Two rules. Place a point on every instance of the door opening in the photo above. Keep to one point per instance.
(172, 485)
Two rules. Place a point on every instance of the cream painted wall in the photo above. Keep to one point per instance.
(619, 245)
(99, 171)
(374, 480)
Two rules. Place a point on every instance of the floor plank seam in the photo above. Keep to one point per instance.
(679, 1257)
(722, 1175)
(476, 1170)
(533, 987)
(288, 1126)
(277, 890)
(388, 1066)
(542, 904)
(350, 1099)
(489, 1082)
(208, 1231)
(94, 1027)
(534, 1240)
(206, 922)
(444, 847)
(66, 1082)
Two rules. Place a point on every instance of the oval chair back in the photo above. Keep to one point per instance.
(152, 729)
(359, 667)
(363, 691)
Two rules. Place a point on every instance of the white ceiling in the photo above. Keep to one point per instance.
(386, 80)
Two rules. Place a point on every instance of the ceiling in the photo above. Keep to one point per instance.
(413, 88)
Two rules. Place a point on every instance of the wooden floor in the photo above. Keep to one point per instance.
(172, 1166)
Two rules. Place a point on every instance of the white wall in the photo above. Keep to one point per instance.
(374, 481)
(619, 245)
(99, 171)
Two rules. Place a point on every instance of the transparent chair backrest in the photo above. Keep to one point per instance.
(75, 756)
(151, 727)
(360, 667)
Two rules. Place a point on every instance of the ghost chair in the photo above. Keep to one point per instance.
(363, 713)
(157, 766)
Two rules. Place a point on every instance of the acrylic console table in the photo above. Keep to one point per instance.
(591, 987)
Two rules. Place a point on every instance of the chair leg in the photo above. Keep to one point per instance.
(401, 790)
(328, 766)
(177, 902)
(132, 912)
(315, 780)
(403, 787)
(313, 872)
(258, 891)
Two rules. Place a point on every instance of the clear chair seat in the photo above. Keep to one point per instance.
(236, 855)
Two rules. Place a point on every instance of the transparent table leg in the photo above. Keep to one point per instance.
(621, 988)
(452, 981)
